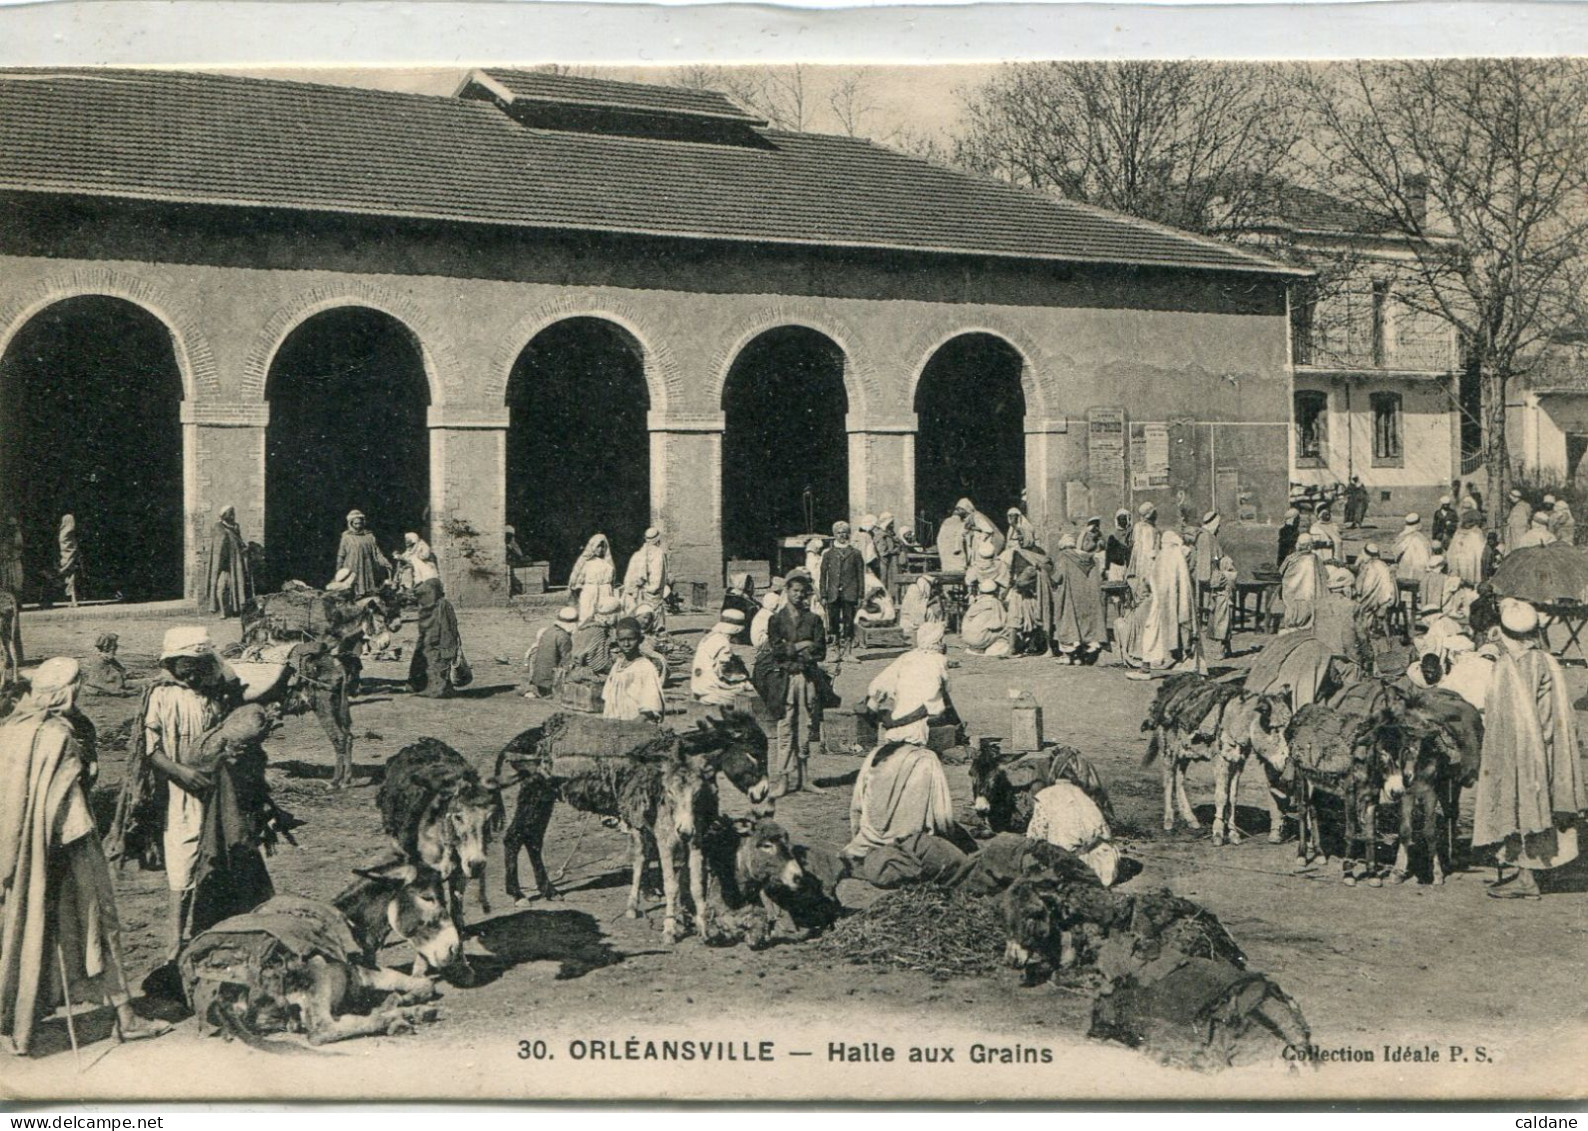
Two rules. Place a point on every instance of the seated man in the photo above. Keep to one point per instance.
(553, 645)
(1064, 815)
(877, 609)
(770, 604)
(634, 687)
(923, 602)
(912, 691)
(719, 676)
(106, 675)
(590, 659)
(655, 643)
(901, 816)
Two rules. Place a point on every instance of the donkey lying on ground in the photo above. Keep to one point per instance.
(295, 964)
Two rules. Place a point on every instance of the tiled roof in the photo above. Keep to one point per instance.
(541, 86)
(1307, 209)
(222, 140)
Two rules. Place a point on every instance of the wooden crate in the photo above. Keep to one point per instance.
(532, 578)
(885, 636)
(843, 731)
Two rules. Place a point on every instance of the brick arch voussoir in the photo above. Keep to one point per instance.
(861, 383)
(436, 347)
(664, 379)
(1037, 366)
(194, 359)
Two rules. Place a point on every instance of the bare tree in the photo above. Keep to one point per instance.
(779, 94)
(925, 144)
(851, 103)
(1483, 164)
(1182, 143)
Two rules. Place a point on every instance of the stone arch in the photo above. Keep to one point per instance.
(1034, 359)
(435, 344)
(861, 384)
(663, 378)
(195, 362)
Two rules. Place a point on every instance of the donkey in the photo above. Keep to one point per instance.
(658, 787)
(298, 964)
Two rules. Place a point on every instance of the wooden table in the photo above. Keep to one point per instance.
(1408, 603)
(1573, 615)
(1252, 600)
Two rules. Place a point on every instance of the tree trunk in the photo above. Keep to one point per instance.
(1496, 450)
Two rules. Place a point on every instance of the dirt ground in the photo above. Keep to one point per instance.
(1422, 967)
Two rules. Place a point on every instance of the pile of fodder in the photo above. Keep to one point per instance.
(941, 932)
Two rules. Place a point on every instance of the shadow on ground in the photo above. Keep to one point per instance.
(573, 939)
(363, 775)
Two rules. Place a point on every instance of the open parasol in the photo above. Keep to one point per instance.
(1543, 574)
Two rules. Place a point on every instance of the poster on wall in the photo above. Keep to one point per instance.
(1149, 457)
(1105, 448)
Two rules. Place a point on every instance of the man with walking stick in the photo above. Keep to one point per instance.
(59, 931)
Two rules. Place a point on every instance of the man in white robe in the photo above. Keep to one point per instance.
(1538, 533)
(718, 676)
(913, 689)
(1168, 633)
(1063, 815)
(1412, 551)
(1530, 794)
(645, 580)
(1144, 550)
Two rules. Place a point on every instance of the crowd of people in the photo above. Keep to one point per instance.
(195, 802)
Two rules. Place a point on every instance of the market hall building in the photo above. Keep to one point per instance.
(573, 305)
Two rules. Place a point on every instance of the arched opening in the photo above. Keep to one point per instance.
(970, 410)
(90, 425)
(578, 450)
(785, 452)
(348, 430)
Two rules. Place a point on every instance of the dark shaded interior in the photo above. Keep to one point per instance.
(348, 429)
(971, 440)
(785, 451)
(90, 425)
(578, 449)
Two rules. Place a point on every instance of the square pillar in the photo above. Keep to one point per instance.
(686, 494)
(882, 469)
(468, 501)
(1056, 473)
(223, 464)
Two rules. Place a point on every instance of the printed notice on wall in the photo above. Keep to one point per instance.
(1149, 456)
(1105, 446)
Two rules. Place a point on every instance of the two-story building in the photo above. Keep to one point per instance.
(1377, 383)
(1547, 412)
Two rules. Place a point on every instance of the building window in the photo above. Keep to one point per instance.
(1380, 323)
(1312, 427)
(1387, 449)
(1303, 302)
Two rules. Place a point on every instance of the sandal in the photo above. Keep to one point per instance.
(146, 1029)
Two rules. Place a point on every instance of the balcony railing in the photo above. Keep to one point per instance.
(1334, 352)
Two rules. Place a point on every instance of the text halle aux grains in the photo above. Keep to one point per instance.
(865, 1052)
